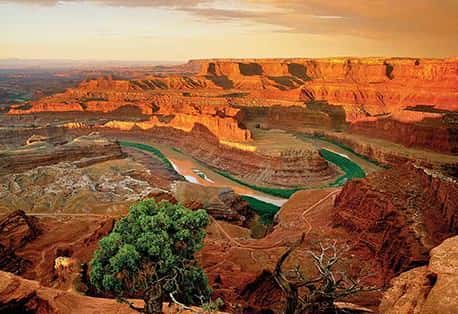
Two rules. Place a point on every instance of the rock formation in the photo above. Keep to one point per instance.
(16, 230)
(33, 244)
(289, 169)
(433, 133)
(378, 84)
(399, 215)
(93, 148)
(427, 289)
(220, 203)
(376, 95)
(18, 295)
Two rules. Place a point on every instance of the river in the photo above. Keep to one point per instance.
(196, 172)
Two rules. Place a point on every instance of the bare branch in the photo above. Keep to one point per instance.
(131, 305)
(172, 297)
(323, 290)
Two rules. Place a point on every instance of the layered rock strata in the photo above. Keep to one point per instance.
(42, 153)
(287, 169)
(373, 94)
(399, 215)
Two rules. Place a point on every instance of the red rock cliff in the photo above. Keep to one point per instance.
(373, 93)
(399, 214)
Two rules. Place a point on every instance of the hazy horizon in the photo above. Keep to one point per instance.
(139, 30)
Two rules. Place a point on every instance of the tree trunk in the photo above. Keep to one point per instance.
(291, 302)
(153, 299)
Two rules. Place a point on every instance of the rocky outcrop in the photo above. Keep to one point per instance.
(399, 214)
(428, 289)
(225, 128)
(221, 203)
(18, 295)
(16, 230)
(61, 237)
(435, 135)
(42, 153)
(288, 169)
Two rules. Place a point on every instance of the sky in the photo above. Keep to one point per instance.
(176, 30)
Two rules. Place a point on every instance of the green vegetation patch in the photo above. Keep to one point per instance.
(150, 252)
(156, 152)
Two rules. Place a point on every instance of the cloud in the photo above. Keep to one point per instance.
(366, 18)
(376, 19)
(125, 3)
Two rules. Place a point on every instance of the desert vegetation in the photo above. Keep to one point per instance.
(151, 253)
(318, 293)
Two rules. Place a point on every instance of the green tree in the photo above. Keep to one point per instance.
(151, 252)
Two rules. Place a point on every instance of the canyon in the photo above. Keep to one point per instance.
(363, 151)
(375, 96)
(342, 214)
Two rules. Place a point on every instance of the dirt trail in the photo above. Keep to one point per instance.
(280, 242)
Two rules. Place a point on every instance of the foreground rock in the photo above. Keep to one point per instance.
(431, 289)
(18, 295)
(16, 230)
(36, 247)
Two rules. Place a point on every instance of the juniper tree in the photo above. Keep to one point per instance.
(150, 252)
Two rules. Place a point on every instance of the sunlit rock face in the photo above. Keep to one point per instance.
(427, 289)
(378, 96)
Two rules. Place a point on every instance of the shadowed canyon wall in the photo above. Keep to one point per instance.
(399, 214)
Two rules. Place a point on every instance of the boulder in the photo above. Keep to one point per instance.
(431, 289)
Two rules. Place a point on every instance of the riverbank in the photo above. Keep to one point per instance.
(193, 174)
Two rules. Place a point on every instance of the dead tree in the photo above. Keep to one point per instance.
(317, 294)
